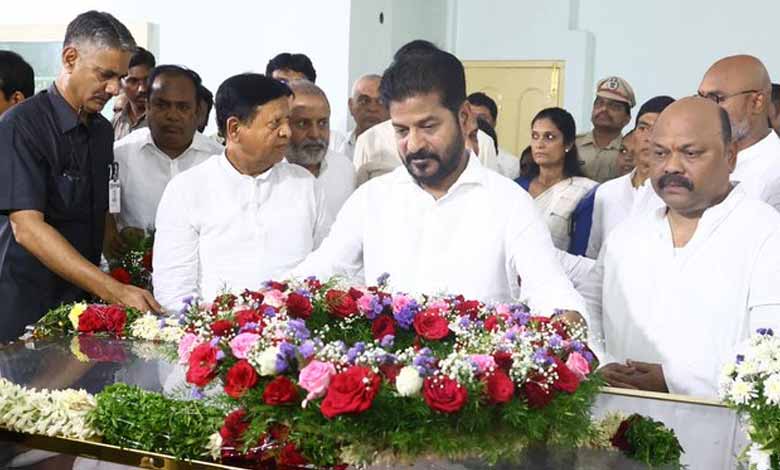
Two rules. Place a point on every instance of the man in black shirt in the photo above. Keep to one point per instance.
(55, 154)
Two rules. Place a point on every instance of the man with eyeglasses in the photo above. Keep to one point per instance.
(599, 149)
(132, 116)
(740, 84)
(55, 153)
(366, 108)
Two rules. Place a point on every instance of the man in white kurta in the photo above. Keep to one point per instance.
(741, 85)
(442, 222)
(678, 294)
(310, 134)
(244, 216)
(145, 170)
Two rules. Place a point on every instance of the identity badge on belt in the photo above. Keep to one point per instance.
(114, 189)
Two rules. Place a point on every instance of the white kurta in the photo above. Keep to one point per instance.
(508, 164)
(473, 241)
(337, 181)
(343, 145)
(217, 228)
(758, 170)
(145, 170)
(376, 152)
(687, 308)
(613, 202)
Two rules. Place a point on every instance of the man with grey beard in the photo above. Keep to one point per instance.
(740, 84)
(310, 125)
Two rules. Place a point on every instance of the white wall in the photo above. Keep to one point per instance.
(220, 39)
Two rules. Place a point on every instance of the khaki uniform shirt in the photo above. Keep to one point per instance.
(598, 164)
(122, 124)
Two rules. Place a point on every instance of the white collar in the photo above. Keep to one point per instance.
(231, 171)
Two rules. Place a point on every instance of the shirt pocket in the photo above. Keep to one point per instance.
(70, 195)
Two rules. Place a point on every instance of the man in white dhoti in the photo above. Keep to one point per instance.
(243, 216)
(616, 199)
(443, 222)
(675, 291)
(309, 138)
(740, 84)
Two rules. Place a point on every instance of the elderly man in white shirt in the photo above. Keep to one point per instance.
(310, 133)
(617, 199)
(244, 216)
(367, 110)
(148, 158)
(674, 292)
(741, 85)
(442, 222)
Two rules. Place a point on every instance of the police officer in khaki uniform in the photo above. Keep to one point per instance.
(599, 149)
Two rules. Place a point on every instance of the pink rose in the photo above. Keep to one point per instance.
(315, 378)
(275, 298)
(503, 310)
(241, 344)
(186, 345)
(578, 364)
(484, 362)
(440, 305)
(399, 302)
(364, 304)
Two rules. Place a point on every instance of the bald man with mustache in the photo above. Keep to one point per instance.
(668, 316)
(740, 84)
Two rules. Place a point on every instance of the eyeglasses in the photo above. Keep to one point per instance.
(718, 99)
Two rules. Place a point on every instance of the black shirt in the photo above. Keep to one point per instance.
(52, 162)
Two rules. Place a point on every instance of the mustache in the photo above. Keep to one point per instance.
(422, 155)
(676, 180)
(317, 143)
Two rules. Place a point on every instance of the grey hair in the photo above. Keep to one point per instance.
(368, 76)
(305, 87)
(101, 29)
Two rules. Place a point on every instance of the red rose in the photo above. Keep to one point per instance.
(567, 380)
(503, 360)
(314, 284)
(356, 294)
(92, 320)
(540, 320)
(247, 316)
(146, 261)
(202, 365)
(348, 393)
(441, 393)
(620, 439)
(491, 323)
(291, 457)
(298, 306)
(115, 319)
(234, 427)
(280, 391)
(121, 275)
(390, 371)
(221, 327)
(281, 287)
(240, 378)
(538, 396)
(254, 296)
(382, 326)
(468, 307)
(500, 388)
(340, 304)
(431, 325)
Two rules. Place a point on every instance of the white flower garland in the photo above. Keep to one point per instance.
(153, 328)
(62, 413)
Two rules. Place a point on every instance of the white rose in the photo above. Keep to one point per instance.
(267, 361)
(408, 382)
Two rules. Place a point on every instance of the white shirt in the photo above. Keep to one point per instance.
(145, 170)
(508, 164)
(336, 180)
(758, 170)
(217, 228)
(343, 145)
(376, 152)
(474, 241)
(687, 309)
(614, 201)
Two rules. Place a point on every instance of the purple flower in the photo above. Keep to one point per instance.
(248, 326)
(405, 316)
(540, 356)
(306, 349)
(387, 342)
(510, 336)
(220, 355)
(765, 332)
(269, 312)
(577, 345)
(740, 358)
(464, 322)
(298, 328)
(555, 341)
(519, 316)
(214, 342)
(285, 356)
(355, 351)
(588, 356)
(381, 281)
(304, 292)
(374, 309)
(197, 394)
